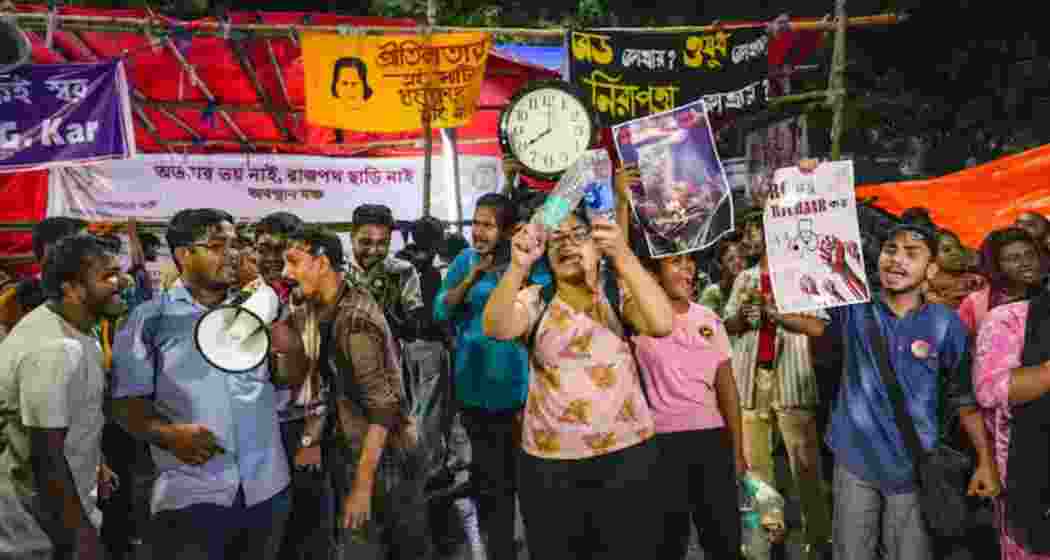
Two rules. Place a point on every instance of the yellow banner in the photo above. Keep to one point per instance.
(386, 83)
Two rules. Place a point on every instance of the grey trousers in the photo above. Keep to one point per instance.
(869, 524)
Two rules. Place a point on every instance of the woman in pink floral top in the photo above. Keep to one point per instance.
(998, 358)
(585, 487)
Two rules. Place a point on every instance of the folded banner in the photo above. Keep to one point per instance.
(387, 83)
(626, 75)
(317, 189)
(813, 239)
(55, 115)
(684, 202)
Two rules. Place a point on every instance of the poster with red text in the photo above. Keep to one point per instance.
(813, 239)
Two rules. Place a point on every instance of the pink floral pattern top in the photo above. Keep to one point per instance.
(999, 345)
(585, 398)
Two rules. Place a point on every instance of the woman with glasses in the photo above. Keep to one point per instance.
(587, 460)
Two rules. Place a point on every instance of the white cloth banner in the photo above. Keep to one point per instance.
(249, 186)
(813, 239)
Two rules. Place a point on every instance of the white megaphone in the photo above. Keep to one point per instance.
(236, 338)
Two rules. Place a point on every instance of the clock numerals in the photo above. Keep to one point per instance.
(517, 130)
(579, 131)
(533, 156)
(548, 160)
(534, 103)
(521, 116)
(564, 157)
(547, 100)
(575, 117)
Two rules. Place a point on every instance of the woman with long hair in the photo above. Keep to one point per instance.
(1016, 268)
(1005, 283)
(695, 405)
(586, 467)
(491, 376)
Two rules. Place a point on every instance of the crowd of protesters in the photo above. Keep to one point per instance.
(614, 400)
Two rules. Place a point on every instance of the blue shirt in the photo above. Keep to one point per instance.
(489, 373)
(240, 409)
(929, 350)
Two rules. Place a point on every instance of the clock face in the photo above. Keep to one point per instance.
(547, 129)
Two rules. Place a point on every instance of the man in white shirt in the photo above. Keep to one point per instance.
(52, 389)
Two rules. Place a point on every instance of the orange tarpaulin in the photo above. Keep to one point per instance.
(978, 200)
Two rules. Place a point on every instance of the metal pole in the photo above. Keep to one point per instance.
(837, 81)
(428, 129)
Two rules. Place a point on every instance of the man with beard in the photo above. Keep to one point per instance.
(393, 282)
(221, 490)
(52, 390)
(306, 533)
(773, 364)
(353, 366)
(876, 499)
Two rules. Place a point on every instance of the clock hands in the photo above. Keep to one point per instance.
(538, 138)
(550, 117)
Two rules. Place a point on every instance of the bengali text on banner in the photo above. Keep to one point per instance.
(54, 115)
(387, 83)
(626, 75)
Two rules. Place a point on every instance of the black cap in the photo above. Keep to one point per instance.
(373, 214)
(921, 231)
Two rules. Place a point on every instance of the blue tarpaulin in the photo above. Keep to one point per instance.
(551, 58)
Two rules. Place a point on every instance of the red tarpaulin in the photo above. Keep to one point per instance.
(978, 200)
(156, 75)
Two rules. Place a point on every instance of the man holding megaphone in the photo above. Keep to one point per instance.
(221, 490)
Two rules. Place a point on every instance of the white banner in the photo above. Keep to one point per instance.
(813, 239)
(249, 186)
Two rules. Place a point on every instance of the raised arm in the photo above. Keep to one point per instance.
(503, 318)
(648, 308)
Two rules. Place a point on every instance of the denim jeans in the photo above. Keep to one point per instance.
(214, 532)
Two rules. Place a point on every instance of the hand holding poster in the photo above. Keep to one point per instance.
(813, 239)
(683, 202)
(386, 83)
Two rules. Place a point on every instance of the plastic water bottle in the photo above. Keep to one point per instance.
(598, 200)
(572, 187)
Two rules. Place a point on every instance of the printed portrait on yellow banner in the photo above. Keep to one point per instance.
(385, 83)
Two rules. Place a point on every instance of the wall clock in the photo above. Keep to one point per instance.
(546, 126)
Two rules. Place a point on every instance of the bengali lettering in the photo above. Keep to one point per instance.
(590, 47)
(68, 90)
(15, 90)
(706, 50)
(652, 59)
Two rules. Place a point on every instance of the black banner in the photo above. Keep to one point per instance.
(627, 75)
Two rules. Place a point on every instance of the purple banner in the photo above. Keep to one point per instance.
(64, 114)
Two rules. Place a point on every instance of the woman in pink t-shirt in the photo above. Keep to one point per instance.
(696, 410)
(585, 478)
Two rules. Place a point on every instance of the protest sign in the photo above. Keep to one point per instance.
(683, 202)
(813, 239)
(54, 115)
(627, 75)
(386, 83)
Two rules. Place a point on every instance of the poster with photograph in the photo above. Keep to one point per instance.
(684, 202)
(813, 239)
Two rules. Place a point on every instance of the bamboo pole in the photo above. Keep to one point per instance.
(237, 46)
(415, 144)
(837, 81)
(189, 69)
(214, 28)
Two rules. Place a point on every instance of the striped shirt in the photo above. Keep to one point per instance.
(794, 363)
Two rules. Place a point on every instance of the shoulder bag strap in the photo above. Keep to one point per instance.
(905, 422)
